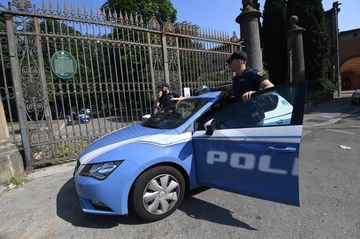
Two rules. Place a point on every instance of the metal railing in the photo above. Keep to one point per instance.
(120, 60)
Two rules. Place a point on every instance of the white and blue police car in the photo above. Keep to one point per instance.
(250, 148)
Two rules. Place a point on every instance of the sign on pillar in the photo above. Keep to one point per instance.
(187, 92)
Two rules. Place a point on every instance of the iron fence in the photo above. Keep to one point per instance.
(119, 62)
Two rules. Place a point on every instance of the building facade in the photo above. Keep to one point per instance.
(349, 59)
(345, 51)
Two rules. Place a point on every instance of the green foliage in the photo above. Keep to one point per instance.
(2, 24)
(16, 181)
(316, 39)
(274, 44)
(5, 50)
(328, 85)
(265, 72)
(13, 123)
(163, 10)
(62, 149)
(321, 85)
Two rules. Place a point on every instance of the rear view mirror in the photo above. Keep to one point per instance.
(210, 126)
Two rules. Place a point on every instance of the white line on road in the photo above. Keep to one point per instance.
(340, 131)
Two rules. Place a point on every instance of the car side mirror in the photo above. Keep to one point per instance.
(210, 126)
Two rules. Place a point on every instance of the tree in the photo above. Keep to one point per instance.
(163, 10)
(316, 39)
(274, 44)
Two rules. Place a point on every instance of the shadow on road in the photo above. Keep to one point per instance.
(68, 208)
(199, 209)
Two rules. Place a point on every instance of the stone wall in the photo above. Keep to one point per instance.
(11, 161)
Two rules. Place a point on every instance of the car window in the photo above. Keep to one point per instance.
(175, 115)
(241, 114)
(210, 113)
(268, 109)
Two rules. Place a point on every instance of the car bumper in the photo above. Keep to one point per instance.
(355, 100)
(109, 196)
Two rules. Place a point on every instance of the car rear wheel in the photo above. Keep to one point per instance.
(157, 193)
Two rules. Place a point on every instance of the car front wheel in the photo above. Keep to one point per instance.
(157, 193)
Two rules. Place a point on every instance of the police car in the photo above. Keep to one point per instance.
(249, 148)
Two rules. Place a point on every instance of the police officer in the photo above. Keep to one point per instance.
(166, 97)
(247, 80)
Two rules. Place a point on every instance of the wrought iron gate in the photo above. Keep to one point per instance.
(120, 60)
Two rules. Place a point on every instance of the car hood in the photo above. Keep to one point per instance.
(122, 137)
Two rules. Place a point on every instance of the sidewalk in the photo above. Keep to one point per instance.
(38, 208)
(42, 173)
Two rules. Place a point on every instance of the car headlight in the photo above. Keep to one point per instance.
(99, 171)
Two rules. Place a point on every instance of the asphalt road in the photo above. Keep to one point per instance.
(47, 206)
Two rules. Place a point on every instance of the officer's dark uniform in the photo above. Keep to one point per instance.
(165, 101)
(250, 79)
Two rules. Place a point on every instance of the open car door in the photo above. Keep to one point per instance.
(253, 148)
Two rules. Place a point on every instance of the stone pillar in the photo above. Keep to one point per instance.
(4, 132)
(295, 49)
(249, 30)
(11, 162)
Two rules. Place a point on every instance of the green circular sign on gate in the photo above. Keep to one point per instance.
(63, 65)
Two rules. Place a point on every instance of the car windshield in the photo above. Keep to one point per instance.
(175, 115)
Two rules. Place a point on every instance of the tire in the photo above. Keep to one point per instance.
(157, 193)
(85, 121)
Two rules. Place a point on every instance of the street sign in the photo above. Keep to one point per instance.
(63, 64)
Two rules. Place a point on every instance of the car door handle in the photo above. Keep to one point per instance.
(281, 150)
(280, 121)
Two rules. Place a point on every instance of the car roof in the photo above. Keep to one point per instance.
(204, 90)
(211, 94)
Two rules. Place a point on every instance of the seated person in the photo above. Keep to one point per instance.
(166, 97)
